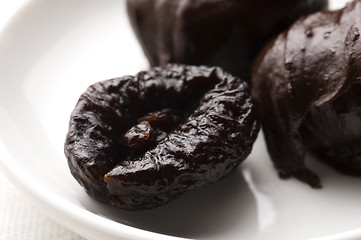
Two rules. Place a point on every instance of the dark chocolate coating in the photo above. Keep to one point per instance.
(306, 86)
(204, 125)
(224, 33)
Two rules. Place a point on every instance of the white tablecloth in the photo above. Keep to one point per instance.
(20, 220)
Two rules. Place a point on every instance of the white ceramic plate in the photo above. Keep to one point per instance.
(49, 53)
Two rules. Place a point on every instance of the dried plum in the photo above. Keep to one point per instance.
(306, 86)
(225, 33)
(139, 142)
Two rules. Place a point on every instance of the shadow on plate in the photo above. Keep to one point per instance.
(204, 213)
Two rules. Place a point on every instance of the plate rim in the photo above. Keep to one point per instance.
(41, 197)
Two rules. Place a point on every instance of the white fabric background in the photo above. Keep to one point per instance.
(20, 220)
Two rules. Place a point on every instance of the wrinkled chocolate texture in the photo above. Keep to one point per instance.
(224, 33)
(139, 142)
(306, 86)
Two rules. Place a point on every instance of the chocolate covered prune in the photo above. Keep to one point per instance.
(306, 85)
(225, 33)
(139, 142)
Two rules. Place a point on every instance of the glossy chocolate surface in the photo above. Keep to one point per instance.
(306, 85)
